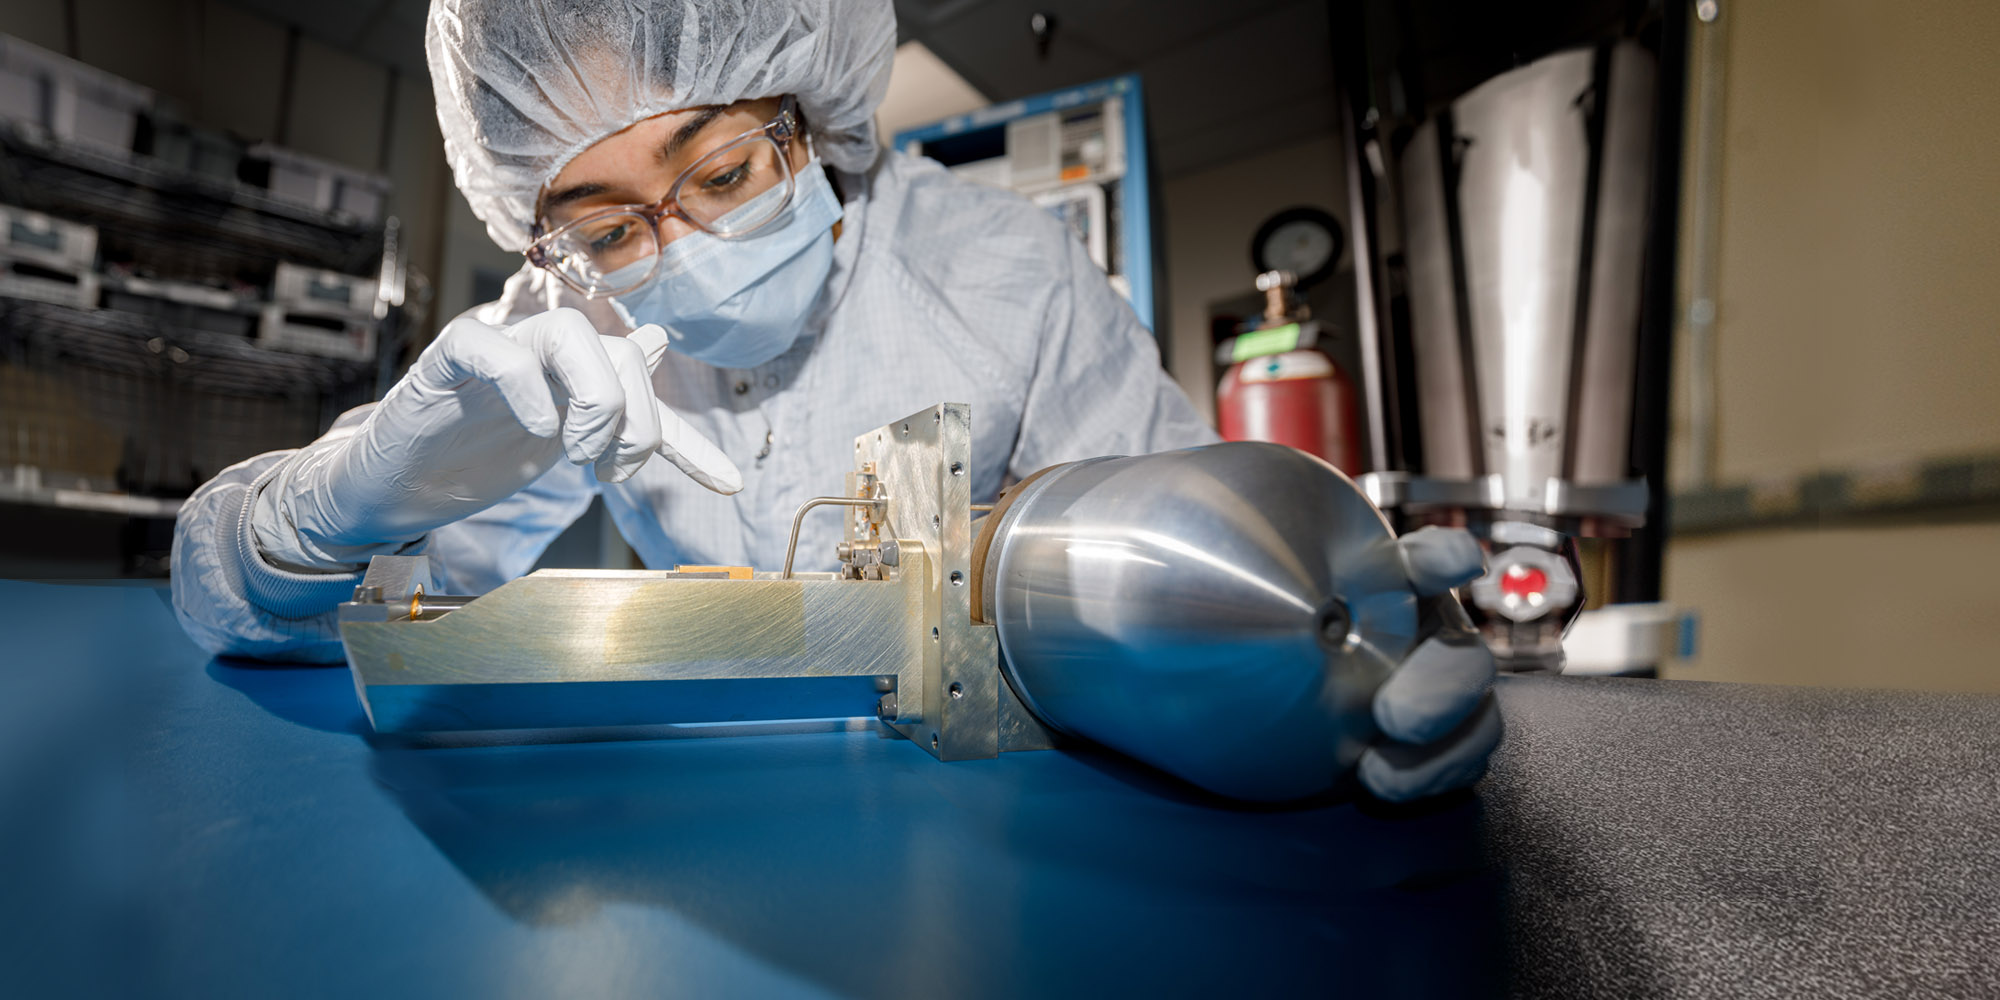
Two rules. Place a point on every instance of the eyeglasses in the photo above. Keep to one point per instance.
(737, 189)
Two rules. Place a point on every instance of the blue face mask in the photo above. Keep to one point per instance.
(740, 303)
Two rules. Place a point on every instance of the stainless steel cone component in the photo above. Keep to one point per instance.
(1222, 613)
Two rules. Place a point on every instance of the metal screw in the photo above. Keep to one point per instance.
(957, 690)
(890, 552)
(885, 709)
(1334, 624)
(844, 551)
(367, 594)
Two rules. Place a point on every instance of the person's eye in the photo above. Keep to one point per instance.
(610, 239)
(729, 179)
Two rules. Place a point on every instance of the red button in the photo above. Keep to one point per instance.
(1523, 581)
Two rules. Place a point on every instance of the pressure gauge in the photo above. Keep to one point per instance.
(1305, 241)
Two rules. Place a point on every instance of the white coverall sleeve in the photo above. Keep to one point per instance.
(1097, 387)
(235, 597)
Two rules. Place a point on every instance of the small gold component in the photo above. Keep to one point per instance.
(425, 608)
(734, 572)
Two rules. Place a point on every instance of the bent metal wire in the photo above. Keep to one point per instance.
(594, 254)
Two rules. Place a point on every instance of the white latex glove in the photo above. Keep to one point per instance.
(483, 413)
(1438, 723)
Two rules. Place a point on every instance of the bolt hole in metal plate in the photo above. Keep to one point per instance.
(921, 468)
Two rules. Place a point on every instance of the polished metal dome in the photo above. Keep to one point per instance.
(1223, 613)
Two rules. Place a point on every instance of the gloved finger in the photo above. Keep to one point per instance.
(469, 349)
(1439, 559)
(652, 342)
(572, 354)
(1403, 772)
(694, 454)
(1436, 687)
(639, 430)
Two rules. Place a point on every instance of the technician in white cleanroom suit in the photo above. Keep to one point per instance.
(702, 196)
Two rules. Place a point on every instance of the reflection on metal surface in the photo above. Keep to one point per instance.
(566, 648)
(1527, 204)
(424, 607)
(1223, 613)
(1623, 502)
(921, 462)
(1526, 214)
(573, 648)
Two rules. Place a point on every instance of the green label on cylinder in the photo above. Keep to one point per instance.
(1259, 343)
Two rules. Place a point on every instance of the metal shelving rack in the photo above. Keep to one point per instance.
(125, 412)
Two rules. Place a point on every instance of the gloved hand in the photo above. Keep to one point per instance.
(1437, 718)
(483, 413)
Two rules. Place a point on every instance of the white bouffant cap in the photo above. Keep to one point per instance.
(523, 86)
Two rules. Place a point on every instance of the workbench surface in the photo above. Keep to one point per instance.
(176, 826)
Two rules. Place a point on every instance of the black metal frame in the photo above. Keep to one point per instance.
(1639, 562)
(1389, 84)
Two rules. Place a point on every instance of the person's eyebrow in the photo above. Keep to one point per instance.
(686, 133)
(674, 144)
(576, 192)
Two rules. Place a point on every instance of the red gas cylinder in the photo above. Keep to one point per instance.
(1299, 398)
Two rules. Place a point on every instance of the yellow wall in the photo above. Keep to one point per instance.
(1892, 606)
(1858, 326)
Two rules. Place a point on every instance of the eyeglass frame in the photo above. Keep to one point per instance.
(781, 130)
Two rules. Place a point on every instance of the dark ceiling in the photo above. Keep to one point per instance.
(382, 31)
(1223, 78)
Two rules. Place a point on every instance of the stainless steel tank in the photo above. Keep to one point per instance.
(1526, 207)
(1222, 613)
(1526, 212)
